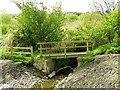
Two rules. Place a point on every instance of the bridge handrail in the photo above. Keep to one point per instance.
(41, 48)
(11, 48)
(63, 42)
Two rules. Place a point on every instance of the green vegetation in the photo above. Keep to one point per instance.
(70, 17)
(19, 59)
(103, 49)
(35, 25)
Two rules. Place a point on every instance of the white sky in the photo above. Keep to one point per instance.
(67, 5)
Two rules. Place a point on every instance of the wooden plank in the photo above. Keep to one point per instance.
(47, 43)
(62, 47)
(48, 48)
(22, 52)
(15, 47)
(67, 54)
(63, 42)
(32, 52)
(4, 47)
(22, 47)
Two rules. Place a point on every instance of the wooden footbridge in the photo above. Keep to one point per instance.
(64, 49)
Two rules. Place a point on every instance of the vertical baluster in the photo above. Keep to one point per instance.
(11, 47)
(31, 52)
(40, 50)
(65, 50)
(87, 47)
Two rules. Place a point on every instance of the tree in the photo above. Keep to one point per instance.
(37, 25)
(104, 6)
(97, 28)
(88, 21)
(6, 20)
(111, 26)
(8, 28)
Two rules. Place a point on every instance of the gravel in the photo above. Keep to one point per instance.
(18, 76)
(100, 73)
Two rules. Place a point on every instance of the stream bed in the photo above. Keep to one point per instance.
(22, 76)
(49, 83)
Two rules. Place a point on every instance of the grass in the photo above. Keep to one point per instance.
(104, 49)
(19, 59)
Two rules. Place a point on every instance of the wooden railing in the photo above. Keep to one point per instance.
(12, 50)
(50, 47)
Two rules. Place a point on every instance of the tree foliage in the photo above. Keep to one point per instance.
(99, 29)
(37, 25)
(8, 28)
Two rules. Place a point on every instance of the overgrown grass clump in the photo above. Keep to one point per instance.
(104, 49)
(19, 59)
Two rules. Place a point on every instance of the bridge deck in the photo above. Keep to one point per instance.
(68, 55)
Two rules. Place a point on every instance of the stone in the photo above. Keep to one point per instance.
(100, 73)
(52, 74)
(16, 76)
(46, 65)
(80, 61)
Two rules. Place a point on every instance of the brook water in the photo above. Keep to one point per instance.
(51, 83)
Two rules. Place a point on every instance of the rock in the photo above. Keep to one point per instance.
(100, 73)
(80, 61)
(46, 65)
(52, 74)
(17, 76)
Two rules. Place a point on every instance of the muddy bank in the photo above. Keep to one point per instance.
(100, 73)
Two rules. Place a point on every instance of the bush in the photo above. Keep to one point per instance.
(17, 58)
(36, 25)
(104, 49)
(71, 17)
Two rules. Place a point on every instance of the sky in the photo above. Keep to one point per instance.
(67, 5)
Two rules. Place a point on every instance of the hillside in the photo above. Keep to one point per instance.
(100, 73)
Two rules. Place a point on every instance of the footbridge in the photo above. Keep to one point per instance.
(64, 49)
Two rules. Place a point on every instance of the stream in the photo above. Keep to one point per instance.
(51, 83)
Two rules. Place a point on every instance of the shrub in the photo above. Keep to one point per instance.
(17, 58)
(104, 49)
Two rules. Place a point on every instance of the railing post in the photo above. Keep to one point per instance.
(65, 50)
(93, 45)
(31, 52)
(11, 47)
(87, 47)
(40, 50)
